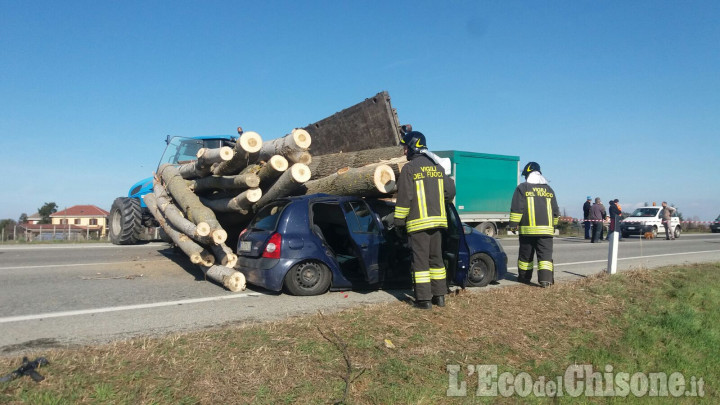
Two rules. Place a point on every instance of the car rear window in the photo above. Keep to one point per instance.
(267, 218)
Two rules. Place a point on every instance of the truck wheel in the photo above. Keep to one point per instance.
(677, 232)
(488, 228)
(308, 278)
(124, 225)
(481, 271)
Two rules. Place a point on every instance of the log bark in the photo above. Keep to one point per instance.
(325, 165)
(190, 203)
(238, 182)
(298, 140)
(241, 203)
(229, 278)
(368, 181)
(176, 218)
(246, 152)
(224, 255)
(196, 253)
(287, 184)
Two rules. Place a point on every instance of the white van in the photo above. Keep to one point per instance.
(647, 219)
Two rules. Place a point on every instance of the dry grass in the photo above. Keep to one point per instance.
(301, 360)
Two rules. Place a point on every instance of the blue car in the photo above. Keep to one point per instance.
(306, 245)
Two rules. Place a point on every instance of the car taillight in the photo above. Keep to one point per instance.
(272, 249)
(243, 233)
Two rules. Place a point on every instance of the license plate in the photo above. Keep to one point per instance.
(245, 246)
(632, 228)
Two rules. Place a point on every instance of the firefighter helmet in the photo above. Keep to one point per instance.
(531, 167)
(414, 140)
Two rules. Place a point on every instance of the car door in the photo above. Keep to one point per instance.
(454, 247)
(366, 236)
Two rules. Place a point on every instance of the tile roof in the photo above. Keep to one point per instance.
(81, 211)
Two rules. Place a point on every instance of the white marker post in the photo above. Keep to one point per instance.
(612, 253)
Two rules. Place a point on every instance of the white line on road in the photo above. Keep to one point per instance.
(630, 258)
(82, 264)
(125, 307)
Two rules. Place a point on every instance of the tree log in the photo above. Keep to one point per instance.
(241, 203)
(190, 203)
(195, 252)
(240, 181)
(368, 181)
(270, 171)
(224, 255)
(325, 165)
(246, 152)
(298, 140)
(231, 279)
(287, 184)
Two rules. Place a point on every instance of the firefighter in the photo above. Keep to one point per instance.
(423, 189)
(534, 207)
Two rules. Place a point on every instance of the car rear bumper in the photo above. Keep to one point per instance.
(263, 272)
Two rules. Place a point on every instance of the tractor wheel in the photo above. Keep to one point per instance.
(124, 224)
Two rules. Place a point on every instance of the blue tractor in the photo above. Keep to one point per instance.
(130, 220)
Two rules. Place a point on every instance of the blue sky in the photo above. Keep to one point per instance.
(614, 99)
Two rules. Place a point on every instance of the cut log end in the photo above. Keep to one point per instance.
(384, 179)
(279, 163)
(301, 138)
(203, 229)
(219, 236)
(226, 153)
(234, 282)
(253, 194)
(250, 141)
(301, 172)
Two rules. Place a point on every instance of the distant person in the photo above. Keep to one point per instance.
(586, 213)
(667, 214)
(597, 216)
(534, 207)
(615, 217)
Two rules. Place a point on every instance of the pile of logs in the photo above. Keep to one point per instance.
(199, 203)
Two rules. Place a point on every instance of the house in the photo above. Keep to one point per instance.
(89, 218)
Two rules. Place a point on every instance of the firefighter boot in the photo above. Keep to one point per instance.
(423, 305)
(438, 300)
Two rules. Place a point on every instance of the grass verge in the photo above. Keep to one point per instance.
(645, 321)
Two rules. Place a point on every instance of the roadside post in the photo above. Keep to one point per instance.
(612, 253)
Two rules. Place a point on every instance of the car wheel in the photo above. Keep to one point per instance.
(677, 232)
(654, 232)
(308, 278)
(625, 235)
(481, 271)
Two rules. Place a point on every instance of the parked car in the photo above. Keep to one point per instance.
(647, 219)
(715, 226)
(309, 244)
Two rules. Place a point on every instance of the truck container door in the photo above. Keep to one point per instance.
(366, 236)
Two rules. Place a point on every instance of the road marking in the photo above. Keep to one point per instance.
(630, 258)
(126, 307)
(83, 264)
(81, 246)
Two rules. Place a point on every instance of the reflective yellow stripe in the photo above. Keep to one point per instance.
(441, 187)
(426, 223)
(531, 211)
(537, 230)
(401, 212)
(421, 277)
(545, 265)
(422, 202)
(549, 211)
(524, 265)
(515, 217)
(556, 220)
(437, 274)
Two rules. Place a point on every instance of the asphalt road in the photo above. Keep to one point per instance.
(65, 295)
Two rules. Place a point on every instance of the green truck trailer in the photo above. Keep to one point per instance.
(485, 184)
